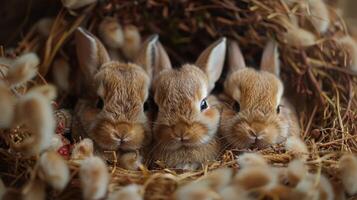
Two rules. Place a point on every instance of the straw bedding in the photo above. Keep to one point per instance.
(317, 76)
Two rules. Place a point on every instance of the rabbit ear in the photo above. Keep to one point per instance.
(153, 57)
(211, 61)
(270, 59)
(90, 51)
(163, 60)
(235, 57)
(147, 54)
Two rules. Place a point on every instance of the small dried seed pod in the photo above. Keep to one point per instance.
(316, 187)
(251, 159)
(256, 177)
(319, 14)
(94, 177)
(49, 91)
(297, 147)
(319, 17)
(282, 192)
(293, 174)
(234, 192)
(54, 170)
(44, 25)
(22, 69)
(217, 179)
(82, 150)
(130, 160)
(31, 59)
(315, 133)
(207, 187)
(111, 32)
(35, 111)
(299, 37)
(129, 192)
(7, 106)
(348, 170)
(56, 142)
(350, 46)
(296, 36)
(195, 192)
(132, 42)
(296, 172)
(75, 4)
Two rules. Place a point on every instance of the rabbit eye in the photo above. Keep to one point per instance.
(278, 109)
(236, 106)
(99, 104)
(203, 105)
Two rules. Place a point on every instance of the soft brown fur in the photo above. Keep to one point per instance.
(122, 118)
(184, 136)
(259, 92)
(122, 123)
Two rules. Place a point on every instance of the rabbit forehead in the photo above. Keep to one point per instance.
(123, 81)
(124, 88)
(254, 89)
(186, 83)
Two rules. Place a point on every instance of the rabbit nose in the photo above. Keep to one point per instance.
(119, 138)
(252, 134)
(183, 137)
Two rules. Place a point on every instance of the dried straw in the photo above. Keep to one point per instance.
(316, 76)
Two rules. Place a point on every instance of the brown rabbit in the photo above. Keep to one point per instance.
(184, 132)
(117, 121)
(255, 114)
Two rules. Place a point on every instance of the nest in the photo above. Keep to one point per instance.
(316, 75)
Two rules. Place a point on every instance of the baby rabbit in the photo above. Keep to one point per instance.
(184, 132)
(115, 119)
(255, 114)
